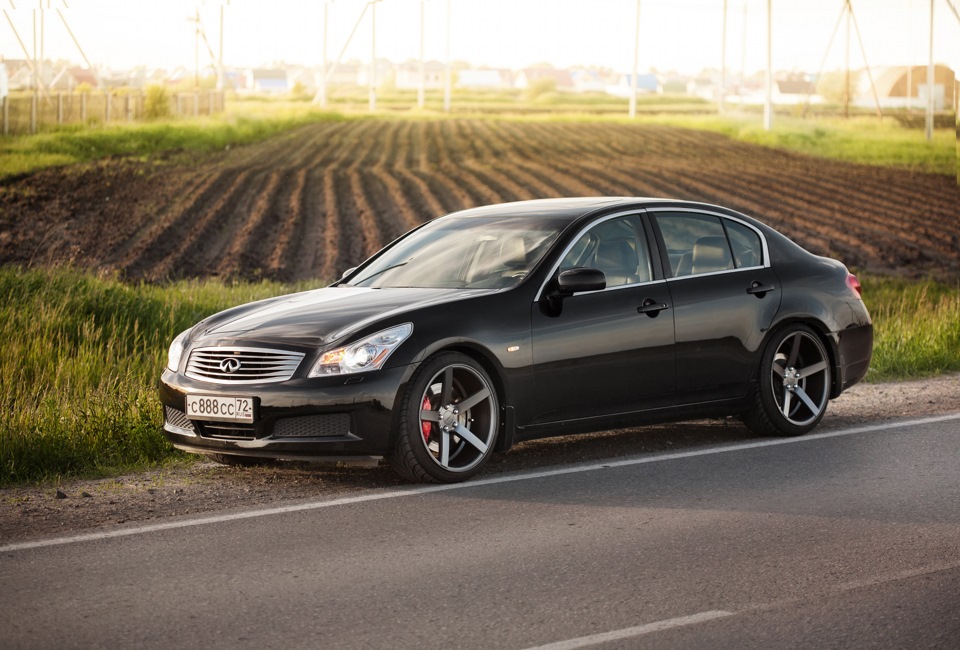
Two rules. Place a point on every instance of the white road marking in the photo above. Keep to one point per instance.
(507, 478)
(702, 617)
(630, 632)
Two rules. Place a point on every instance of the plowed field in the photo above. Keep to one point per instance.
(312, 202)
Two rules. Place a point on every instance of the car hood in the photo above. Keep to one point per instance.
(320, 317)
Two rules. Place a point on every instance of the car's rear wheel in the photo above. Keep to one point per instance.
(448, 421)
(794, 384)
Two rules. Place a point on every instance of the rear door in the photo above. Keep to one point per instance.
(725, 296)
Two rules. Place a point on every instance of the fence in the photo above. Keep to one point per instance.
(28, 113)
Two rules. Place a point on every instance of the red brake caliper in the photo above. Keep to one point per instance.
(425, 426)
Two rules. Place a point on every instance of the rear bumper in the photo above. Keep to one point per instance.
(854, 351)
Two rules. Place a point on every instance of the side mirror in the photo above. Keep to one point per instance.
(577, 280)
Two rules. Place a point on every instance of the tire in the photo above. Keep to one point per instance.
(793, 386)
(448, 421)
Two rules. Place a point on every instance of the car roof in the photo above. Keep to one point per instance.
(571, 208)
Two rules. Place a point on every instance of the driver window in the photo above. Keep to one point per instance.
(616, 247)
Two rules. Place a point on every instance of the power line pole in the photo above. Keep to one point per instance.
(446, 72)
(929, 120)
(846, 67)
(636, 62)
(373, 56)
(768, 104)
(323, 76)
(723, 60)
(422, 81)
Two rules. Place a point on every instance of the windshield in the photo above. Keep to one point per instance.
(466, 253)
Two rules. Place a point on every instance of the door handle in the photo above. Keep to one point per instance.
(759, 289)
(652, 308)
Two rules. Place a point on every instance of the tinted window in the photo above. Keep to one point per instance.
(745, 242)
(617, 248)
(695, 243)
(465, 253)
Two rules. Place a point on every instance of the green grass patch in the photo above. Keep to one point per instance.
(74, 144)
(80, 363)
(916, 327)
(82, 355)
(864, 140)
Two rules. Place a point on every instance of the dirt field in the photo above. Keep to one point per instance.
(317, 200)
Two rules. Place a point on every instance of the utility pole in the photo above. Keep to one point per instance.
(446, 72)
(220, 52)
(929, 120)
(723, 60)
(743, 56)
(196, 49)
(846, 68)
(422, 81)
(768, 104)
(373, 56)
(323, 76)
(636, 64)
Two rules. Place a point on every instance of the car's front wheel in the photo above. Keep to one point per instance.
(794, 384)
(448, 421)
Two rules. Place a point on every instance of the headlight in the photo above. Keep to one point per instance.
(176, 351)
(369, 354)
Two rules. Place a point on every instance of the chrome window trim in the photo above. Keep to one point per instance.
(763, 241)
(626, 213)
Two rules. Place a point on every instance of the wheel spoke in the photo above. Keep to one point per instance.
(467, 435)
(787, 398)
(812, 370)
(429, 416)
(794, 351)
(778, 370)
(445, 449)
(474, 399)
(814, 409)
(446, 389)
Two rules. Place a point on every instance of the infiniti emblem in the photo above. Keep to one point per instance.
(230, 365)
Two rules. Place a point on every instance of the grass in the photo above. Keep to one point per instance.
(74, 144)
(80, 364)
(82, 355)
(864, 140)
(916, 327)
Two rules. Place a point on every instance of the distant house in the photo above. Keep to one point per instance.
(484, 79)
(906, 86)
(795, 89)
(408, 75)
(587, 81)
(646, 84)
(529, 76)
(265, 80)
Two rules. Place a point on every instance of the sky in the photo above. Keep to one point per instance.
(680, 35)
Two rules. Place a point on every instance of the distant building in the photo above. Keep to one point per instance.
(646, 84)
(266, 80)
(906, 86)
(529, 76)
(408, 75)
(484, 79)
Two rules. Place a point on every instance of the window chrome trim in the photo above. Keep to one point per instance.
(626, 213)
(763, 240)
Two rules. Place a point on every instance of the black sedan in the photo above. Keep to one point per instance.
(509, 322)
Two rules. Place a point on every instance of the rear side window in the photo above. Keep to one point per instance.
(745, 242)
(696, 243)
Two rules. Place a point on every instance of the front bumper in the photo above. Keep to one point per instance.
(347, 416)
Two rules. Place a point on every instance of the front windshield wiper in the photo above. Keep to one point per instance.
(380, 272)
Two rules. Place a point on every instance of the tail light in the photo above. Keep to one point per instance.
(854, 285)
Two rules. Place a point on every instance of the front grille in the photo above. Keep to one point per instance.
(242, 365)
(313, 426)
(178, 418)
(227, 430)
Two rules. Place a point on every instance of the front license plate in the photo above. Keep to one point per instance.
(219, 408)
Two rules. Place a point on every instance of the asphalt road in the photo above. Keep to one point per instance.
(844, 541)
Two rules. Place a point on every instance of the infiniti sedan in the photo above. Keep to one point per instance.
(510, 322)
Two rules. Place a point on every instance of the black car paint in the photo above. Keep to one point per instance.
(551, 380)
